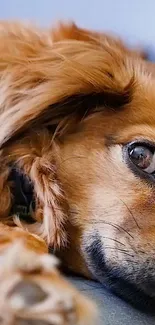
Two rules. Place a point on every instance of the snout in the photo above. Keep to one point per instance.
(132, 279)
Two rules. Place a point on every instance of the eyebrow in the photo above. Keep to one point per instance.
(78, 106)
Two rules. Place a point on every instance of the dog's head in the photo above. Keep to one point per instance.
(97, 100)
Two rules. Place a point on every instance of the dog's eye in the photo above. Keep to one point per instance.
(143, 157)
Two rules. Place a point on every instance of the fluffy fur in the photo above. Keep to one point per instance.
(70, 100)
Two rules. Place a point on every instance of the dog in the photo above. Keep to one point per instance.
(77, 158)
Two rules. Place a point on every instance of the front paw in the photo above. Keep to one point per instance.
(32, 292)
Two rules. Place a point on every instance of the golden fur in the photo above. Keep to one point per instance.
(70, 99)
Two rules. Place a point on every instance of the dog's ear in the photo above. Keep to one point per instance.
(45, 81)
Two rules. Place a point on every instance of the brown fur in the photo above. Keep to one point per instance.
(70, 99)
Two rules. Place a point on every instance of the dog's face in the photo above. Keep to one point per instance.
(105, 156)
(108, 171)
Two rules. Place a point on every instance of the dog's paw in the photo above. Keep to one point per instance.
(32, 292)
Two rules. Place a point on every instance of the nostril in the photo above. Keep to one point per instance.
(26, 293)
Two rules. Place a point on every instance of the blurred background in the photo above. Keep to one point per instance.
(133, 20)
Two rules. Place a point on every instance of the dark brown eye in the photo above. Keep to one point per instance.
(143, 157)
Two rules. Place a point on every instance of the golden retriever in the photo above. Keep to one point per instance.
(77, 158)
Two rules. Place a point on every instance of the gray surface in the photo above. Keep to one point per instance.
(112, 310)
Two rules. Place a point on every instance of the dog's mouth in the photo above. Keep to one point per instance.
(23, 203)
(140, 295)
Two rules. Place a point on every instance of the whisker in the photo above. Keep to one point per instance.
(130, 212)
(69, 158)
(113, 225)
(131, 261)
(115, 240)
(124, 251)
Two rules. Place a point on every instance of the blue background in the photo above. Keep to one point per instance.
(133, 20)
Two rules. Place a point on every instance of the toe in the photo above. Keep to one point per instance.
(26, 293)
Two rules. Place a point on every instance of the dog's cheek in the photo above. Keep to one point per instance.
(144, 215)
(126, 232)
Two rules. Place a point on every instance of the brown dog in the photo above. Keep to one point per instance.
(77, 139)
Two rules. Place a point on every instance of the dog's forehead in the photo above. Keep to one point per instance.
(139, 114)
(134, 120)
(81, 75)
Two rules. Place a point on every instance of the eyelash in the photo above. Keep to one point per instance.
(145, 143)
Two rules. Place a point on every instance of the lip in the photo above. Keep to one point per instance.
(139, 296)
(149, 287)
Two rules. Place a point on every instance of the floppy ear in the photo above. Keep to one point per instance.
(44, 81)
